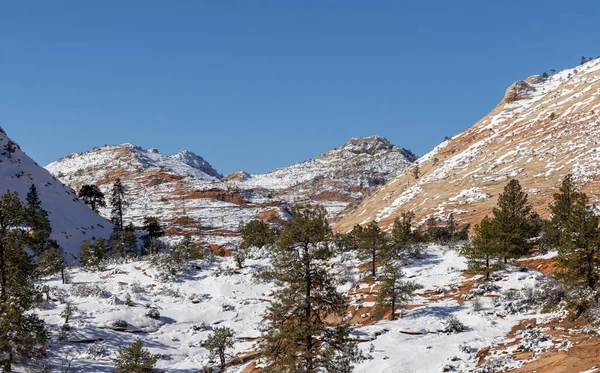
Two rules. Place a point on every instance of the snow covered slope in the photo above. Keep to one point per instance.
(71, 220)
(184, 189)
(543, 129)
(216, 295)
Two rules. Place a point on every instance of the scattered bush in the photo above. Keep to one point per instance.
(118, 323)
(90, 290)
(452, 325)
(153, 314)
(96, 351)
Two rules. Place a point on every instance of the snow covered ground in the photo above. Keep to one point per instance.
(215, 295)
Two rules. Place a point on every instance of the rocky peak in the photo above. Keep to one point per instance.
(195, 161)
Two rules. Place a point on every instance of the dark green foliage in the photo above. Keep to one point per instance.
(484, 252)
(257, 234)
(574, 227)
(123, 243)
(373, 245)
(50, 262)
(118, 204)
(300, 340)
(152, 227)
(174, 261)
(513, 221)
(10, 148)
(94, 254)
(545, 75)
(404, 238)
(254, 234)
(343, 242)
(394, 290)
(134, 359)
(22, 334)
(33, 198)
(153, 232)
(92, 196)
(218, 342)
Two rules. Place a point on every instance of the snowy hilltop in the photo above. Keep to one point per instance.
(545, 127)
(184, 190)
(71, 220)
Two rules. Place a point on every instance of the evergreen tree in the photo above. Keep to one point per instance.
(92, 196)
(118, 204)
(218, 342)
(512, 220)
(484, 250)
(373, 245)
(134, 359)
(394, 291)
(93, 254)
(416, 171)
(50, 262)
(574, 228)
(255, 233)
(10, 148)
(403, 236)
(153, 232)
(33, 198)
(22, 334)
(300, 340)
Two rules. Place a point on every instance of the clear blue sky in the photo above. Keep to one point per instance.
(257, 85)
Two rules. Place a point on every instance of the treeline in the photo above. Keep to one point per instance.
(513, 231)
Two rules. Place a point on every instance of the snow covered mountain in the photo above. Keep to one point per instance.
(71, 220)
(543, 129)
(184, 190)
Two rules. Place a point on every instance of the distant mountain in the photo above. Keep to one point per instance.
(184, 190)
(543, 129)
(71, 220)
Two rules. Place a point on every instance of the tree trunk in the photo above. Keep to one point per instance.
(62, 274)
(222, 357)
(307, 309)
(373, 268)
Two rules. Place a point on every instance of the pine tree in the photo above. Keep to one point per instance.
(33, 198)
(300, 340)
(403, 237)
(512, 218)
(373, 245)
(416, 171)
(93, 254)
(485, 249)
(153, 232)
(218, 342)
(118, 204)
(22, 333)
(92, 196)
(394, 291)
(50, 262)
(134, 359)
(255, 233)
(10, 148)
(575, 230)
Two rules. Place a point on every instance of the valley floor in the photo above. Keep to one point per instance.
(217, 295)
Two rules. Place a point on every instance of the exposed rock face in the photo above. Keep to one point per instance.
(71, 220)
(542, 130)
(184, 190)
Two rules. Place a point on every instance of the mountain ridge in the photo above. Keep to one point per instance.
(177, 190)
(542, 129)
